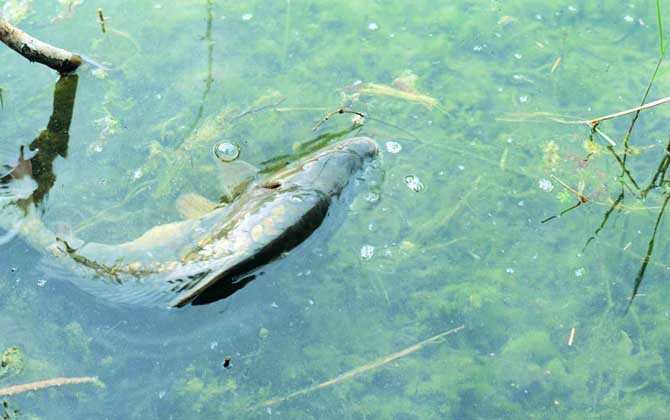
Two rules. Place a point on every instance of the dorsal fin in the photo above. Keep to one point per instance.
(234, 177)
(192, 206)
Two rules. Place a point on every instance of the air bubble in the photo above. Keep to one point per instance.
(226, 152)
(414, 183)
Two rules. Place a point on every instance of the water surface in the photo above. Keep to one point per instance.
(451, 235)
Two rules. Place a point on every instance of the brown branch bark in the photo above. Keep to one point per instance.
(33, 49)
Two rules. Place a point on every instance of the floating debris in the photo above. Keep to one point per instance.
(41, 282)
(247, 16)
(509, 270)
(226, 152)
(373, 26)
(414, 183)
(367, 251)
(372, 197)
(226, 362)
(545, 185)
(629, 19)
(393, 147)
(579, 272)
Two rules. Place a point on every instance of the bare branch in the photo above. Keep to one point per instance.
(33, 49)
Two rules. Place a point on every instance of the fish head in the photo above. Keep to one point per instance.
(328, 170)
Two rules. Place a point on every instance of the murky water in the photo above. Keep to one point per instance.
(467, 100)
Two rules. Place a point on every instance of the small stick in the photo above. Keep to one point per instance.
(572, 336)
(101, 18)
(551, 117)
(362, 369)
(630, 111)
(604, 136)
(33, 49)
(582, 198)
(338, 111)
(556, 63)
(33, 386)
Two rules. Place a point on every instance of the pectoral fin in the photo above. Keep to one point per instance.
(192, 206)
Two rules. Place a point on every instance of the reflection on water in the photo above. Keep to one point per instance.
(540, 308)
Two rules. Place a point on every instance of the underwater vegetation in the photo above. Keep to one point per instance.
(464, 99)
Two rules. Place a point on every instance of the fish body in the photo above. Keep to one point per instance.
(207, 258)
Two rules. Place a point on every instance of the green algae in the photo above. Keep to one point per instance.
(468, 249)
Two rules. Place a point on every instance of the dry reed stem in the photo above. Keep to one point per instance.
(361, 369)
(553, 117)
(33, 386)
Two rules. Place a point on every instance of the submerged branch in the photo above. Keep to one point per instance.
(34, 386)
(650, 251)
(362, 369)
(33, 49)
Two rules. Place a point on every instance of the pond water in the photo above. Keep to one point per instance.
(468, 102)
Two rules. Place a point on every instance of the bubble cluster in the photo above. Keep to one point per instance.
(414, 183)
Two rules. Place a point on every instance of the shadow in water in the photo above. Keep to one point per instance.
(50, 143)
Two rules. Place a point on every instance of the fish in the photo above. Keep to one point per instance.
(218, 249)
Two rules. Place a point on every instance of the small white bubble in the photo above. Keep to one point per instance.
(629, 19)
(518, 56)
(247, 16)
(509, 270)
(461, 167)
(477, 48)
(572, 9)
(372, 197)
(311, 302)
(213, 345)
(579, 272)
(367, 251)
(274, 305)
(521, 203)
(393, 147)
(545, 185)
(414, 183)
(509, 140)
(373, 26)
(538, 16)
(161, 395)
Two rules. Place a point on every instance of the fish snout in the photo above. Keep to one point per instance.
(364, 147)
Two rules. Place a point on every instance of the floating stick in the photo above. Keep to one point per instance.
(33, 49)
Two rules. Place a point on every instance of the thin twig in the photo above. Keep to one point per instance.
(630, 111)
(552, 117)
(582, 198)
(338, 111)
(362, 369)
(33, 386)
